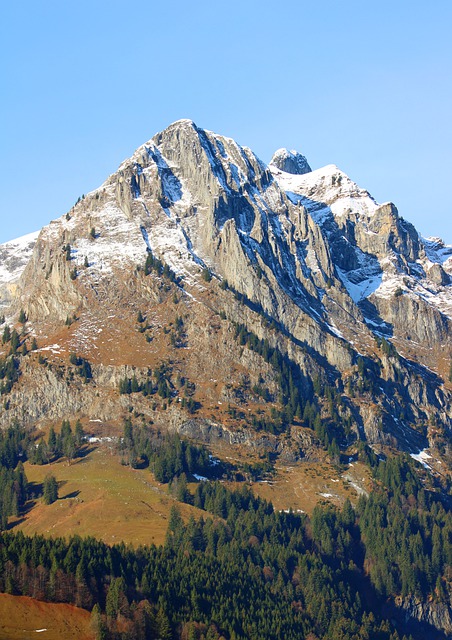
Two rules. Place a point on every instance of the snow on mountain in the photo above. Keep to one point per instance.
(311, 254)
(195, 198)
(325, 191)
(14, 255)
(369, 259)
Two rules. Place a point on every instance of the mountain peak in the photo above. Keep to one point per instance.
(308, 250)
(182, 123)
(290, 162)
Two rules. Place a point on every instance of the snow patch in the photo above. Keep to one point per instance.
(291, 511)
(54, 348)
(360, 290)
(421, 457)
(14, 256)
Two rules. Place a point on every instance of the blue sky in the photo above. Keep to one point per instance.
(367, 86)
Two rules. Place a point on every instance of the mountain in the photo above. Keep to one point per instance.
(277, 315)
(304, 259)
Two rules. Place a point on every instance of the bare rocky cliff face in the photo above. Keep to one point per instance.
(14, 256)
(308, 261)
(431, 615)
(400, 281)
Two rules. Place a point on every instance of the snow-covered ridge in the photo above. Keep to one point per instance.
(438, 252)
(324, 191)
(14, 256)
(347, 213)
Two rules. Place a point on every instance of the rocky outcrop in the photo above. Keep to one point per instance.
(431, 615)
(215, 433)
(52, 393)
(290, 162)
(301, 445)
(14, 256)
(413, 319)
(399, 280)
(48, 276)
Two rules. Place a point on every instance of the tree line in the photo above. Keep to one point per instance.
(221, 575)
(166, 455)
(218, 576)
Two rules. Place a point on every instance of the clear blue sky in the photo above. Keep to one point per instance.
(366, 86)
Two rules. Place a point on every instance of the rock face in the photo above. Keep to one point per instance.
(400, 281)
(290, 162)
(308, 261)
(433, 615)
(14, 256)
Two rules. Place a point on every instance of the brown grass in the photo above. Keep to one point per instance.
(21, 617)
(102, 498)
(301, 487)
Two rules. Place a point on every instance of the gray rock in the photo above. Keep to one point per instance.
(290, 162)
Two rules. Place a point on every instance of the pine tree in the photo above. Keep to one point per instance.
(79, 434)
(163, 625)
(206, 275)
(52, 442)
(6, 334)
(69, 447)
(39, 455)
(116, 598)
(97, 624)
(65, 429)
(15, 341)
(50, 489)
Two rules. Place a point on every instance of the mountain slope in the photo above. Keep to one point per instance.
(379, 256)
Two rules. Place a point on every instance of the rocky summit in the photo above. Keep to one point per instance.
(307, 261)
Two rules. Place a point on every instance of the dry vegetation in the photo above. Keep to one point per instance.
(101, 497)
(22, 617)
(301, 487)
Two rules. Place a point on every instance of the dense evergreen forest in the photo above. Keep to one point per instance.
(167, 456)
(241, 571)
(13, 481)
